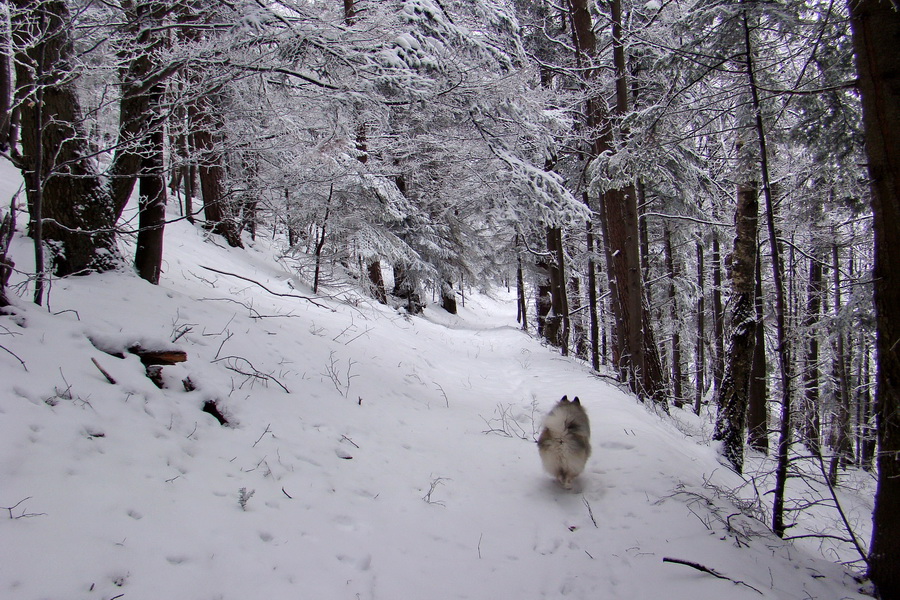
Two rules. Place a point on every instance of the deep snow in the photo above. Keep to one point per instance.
(380, 456)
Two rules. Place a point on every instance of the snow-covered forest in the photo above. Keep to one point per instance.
(375, 240)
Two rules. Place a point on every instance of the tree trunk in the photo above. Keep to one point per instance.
(448, 297)
(843, 449)
(152, 201)
(635, 342)
(407, 288)
(811, 427)
(757, 411)
(677, 375)
(141, 144)
(556, 326)
(732, 396)
(320, 240)
(73, 206)
(6, 80)
(867, 446)
(783, 349)
(209, 140)
(592, 290)
(875, 27)
(718, 315)
(376, 279)
(522, 312)
(7, 229)
(700, 358)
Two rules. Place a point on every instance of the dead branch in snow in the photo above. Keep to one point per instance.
(712, 572)
(109, 377)
(274, 293)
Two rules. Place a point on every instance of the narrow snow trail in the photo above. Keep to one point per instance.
(375, 456)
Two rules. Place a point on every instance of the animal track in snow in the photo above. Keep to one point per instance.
(616, 446)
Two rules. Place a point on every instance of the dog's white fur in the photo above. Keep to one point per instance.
(565, 441)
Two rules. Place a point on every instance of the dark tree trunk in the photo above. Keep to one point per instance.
(556, 325)
(811, 427)
(7, 229)
(140, 148)
(876, 36)
(376, 280)
(407, 288)
(867, 445)
(592, 290)
(576, 318)
(757, 412)
(448, 298)
(701, 331)
(73, 207)
(320, 240)
(289, 219)
(152, 202)
(783, 349)
(522, 312)
(718, 315)
(635, 347)
(843, 445)
(209, 140)
(6, 90)
(732, 396)
(677, 376)
(544, 302)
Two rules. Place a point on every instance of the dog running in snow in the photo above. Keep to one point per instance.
(565, 441)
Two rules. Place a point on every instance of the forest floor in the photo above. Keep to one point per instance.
(368, 454)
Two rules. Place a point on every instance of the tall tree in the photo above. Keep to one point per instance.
(637, 355)
(875, 26)
(68, 202)
(733, 395)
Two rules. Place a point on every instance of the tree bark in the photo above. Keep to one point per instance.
(74, 209)
(152, 199)
(875, 27)
(811, 427)
(376, 279)
(448, 298)
(677, 376)
(700, 352)
(718, 315)
(6, 80)
(732, 396)
(522, 312)
(843, 445)
(757, 411)
(783, 349)
(556, 322)
(635, 350)
(592, 290)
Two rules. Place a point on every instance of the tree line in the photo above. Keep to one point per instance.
(696, 196)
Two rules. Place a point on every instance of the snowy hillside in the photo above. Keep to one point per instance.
(369, 455)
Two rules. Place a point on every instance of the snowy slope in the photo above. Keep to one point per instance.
(387, 457)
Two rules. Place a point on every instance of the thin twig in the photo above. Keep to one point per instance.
(590, 512)
(712, 572)
(268, 430)
(16, 356)
(109, 377)
(344, 437)
(298, 296)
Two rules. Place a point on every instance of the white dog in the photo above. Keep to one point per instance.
(565, 442)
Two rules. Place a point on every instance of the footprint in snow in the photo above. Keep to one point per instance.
(616, 446)
(363, 564)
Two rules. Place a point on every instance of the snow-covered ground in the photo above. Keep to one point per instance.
(370, 455)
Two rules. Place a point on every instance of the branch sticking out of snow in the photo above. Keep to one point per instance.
(712, 572)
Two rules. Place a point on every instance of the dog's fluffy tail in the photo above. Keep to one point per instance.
(556, 423)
